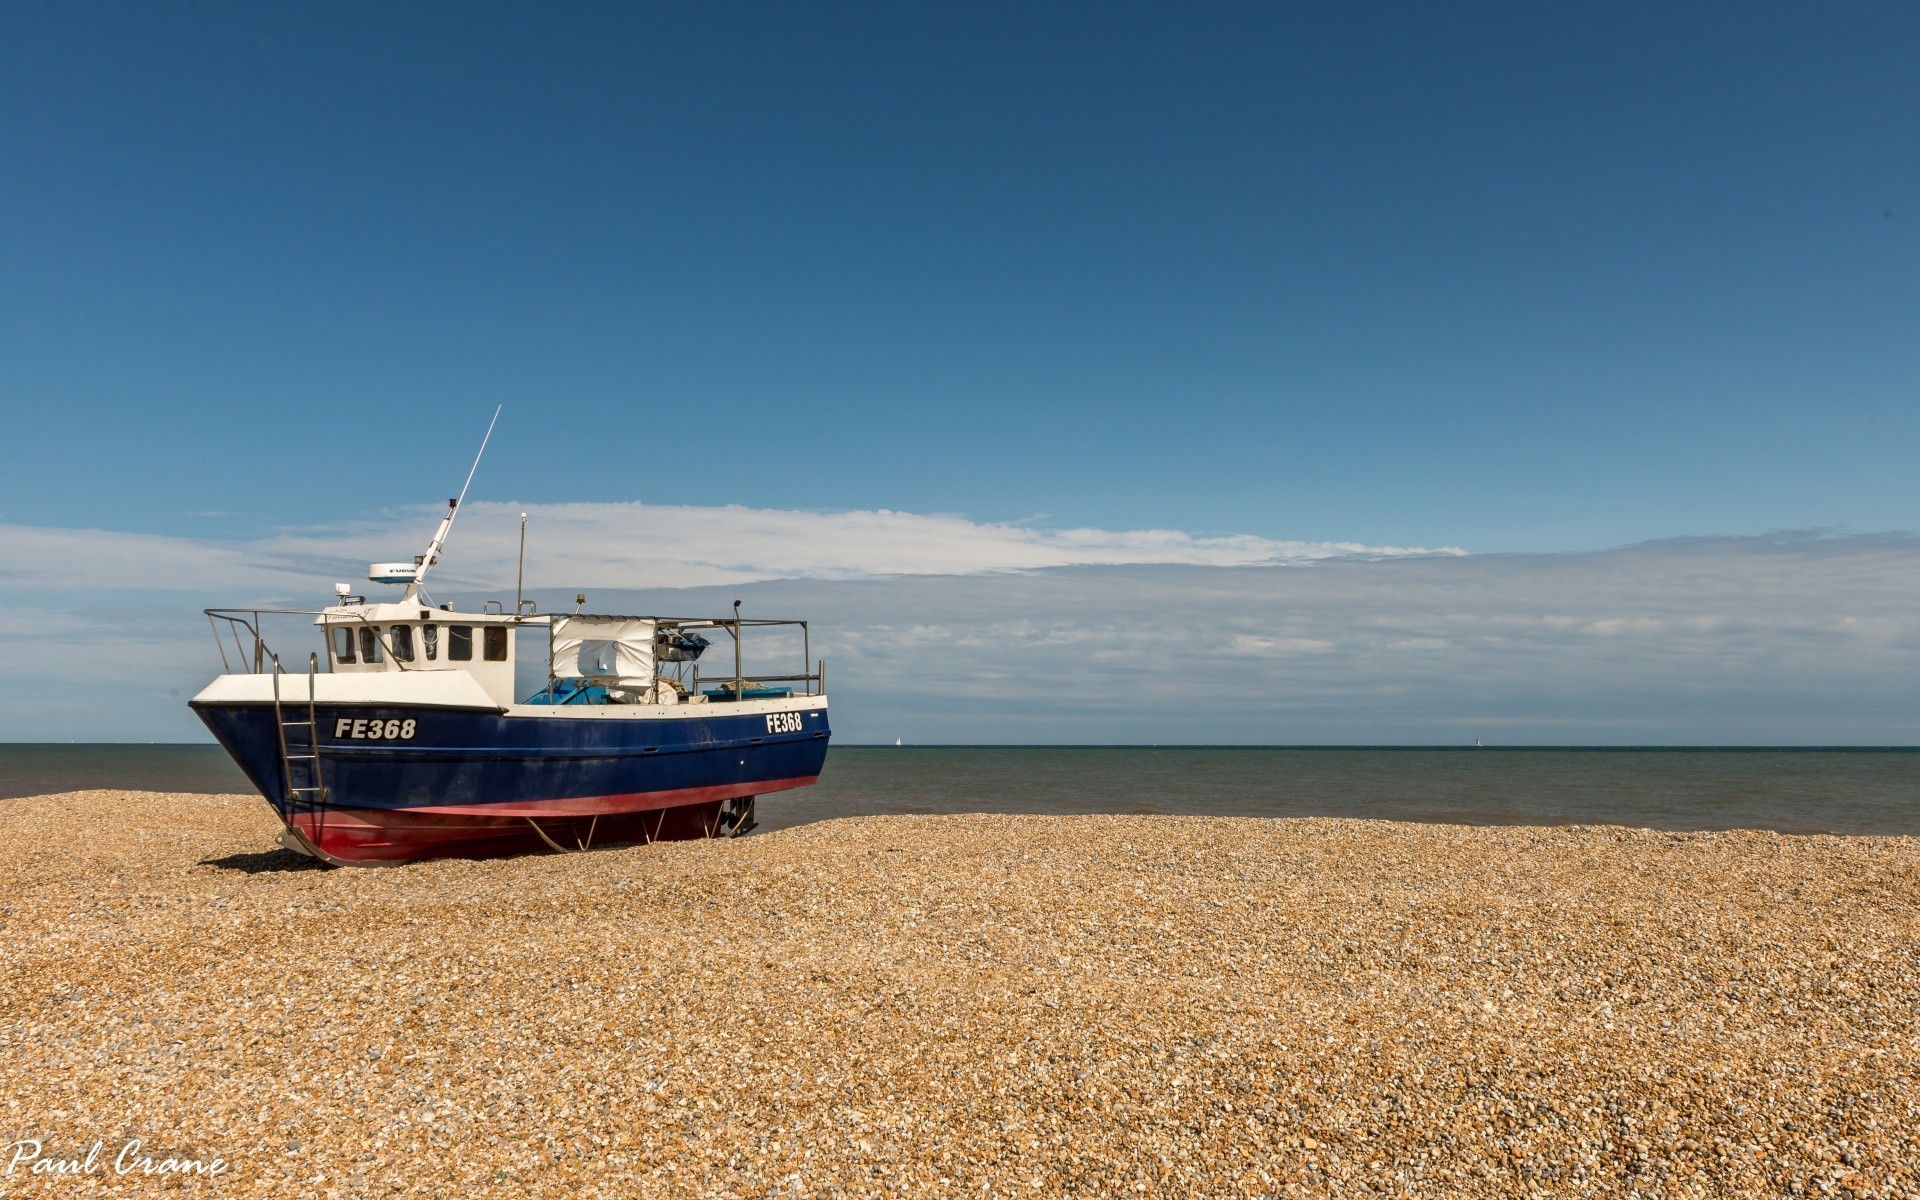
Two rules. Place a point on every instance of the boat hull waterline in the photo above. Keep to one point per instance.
(478, 784)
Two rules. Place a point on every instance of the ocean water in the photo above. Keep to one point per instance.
(36, 769)
(1793, 791)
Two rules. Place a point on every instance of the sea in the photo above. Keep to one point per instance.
(1796, 790)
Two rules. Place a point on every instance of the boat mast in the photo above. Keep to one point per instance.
(432, 555)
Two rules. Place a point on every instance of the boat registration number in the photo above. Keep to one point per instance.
(784, 723)
(344, 727)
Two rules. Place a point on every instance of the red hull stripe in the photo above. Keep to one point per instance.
(372, 836)
(601, 806)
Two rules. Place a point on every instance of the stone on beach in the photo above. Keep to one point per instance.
(964, 1005)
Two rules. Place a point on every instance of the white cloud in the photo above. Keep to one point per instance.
(33, 558)
(629, 545)
(1785, 638)
(625, 545)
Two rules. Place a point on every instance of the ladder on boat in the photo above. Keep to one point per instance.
(302, 781)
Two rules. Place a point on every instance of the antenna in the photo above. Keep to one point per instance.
(520, 574)
(432, 555)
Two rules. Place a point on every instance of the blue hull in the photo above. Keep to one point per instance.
(403, 783)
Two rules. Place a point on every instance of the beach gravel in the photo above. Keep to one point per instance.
(1100, 1006)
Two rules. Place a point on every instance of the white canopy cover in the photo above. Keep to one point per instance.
(616, 647)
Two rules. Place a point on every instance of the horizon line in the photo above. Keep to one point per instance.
(1674, 747)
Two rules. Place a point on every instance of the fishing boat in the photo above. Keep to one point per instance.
(404, 738)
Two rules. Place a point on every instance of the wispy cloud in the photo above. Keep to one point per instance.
(56, 561)
(939, 629)
(628, 545)
(1787, 638)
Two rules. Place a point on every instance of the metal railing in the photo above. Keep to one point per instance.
(244, 631)
(252, 648)
(815, 682)
(811, 675)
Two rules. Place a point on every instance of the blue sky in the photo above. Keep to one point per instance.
(966, 293)
(1512, 279)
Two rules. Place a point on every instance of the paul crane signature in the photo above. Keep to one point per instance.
(29, 1156)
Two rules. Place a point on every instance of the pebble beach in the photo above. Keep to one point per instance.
(1098, 1006)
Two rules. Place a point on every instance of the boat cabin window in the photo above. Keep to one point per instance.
(430, 640)
(403, 643)
(342, 644)
(496, 643)
(460, 643)
(369, 644)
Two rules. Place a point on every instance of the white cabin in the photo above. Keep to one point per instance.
(408, 636)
